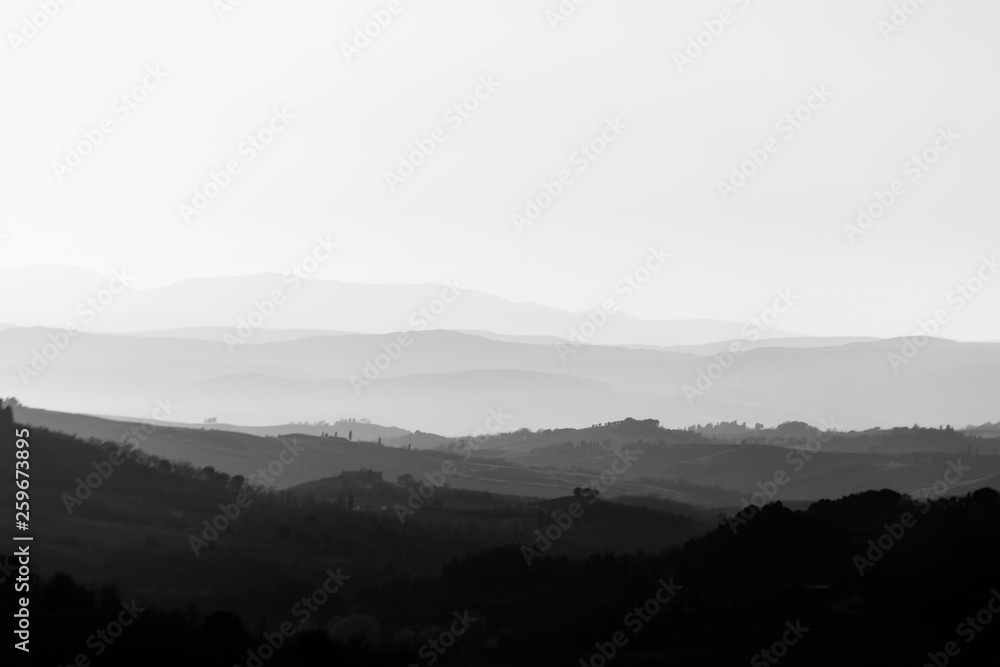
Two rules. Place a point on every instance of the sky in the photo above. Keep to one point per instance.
(680, 127)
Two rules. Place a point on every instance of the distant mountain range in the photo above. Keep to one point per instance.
(51, 296)
(271, 349)
(446, 382)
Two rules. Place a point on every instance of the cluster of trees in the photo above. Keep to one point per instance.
(733, 428)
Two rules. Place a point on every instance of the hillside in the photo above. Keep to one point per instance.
(677, 465)
(135, 524)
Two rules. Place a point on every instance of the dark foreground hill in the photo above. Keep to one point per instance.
(176, 536)
(870, 579)
(620, 525)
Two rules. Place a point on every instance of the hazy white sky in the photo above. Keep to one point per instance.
(656, 184)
